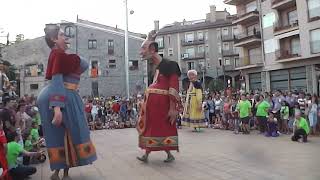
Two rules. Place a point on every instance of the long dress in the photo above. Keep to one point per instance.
(193, 115)
(68, 145)
(156, 133)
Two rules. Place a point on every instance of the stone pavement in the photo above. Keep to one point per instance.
(212, 154)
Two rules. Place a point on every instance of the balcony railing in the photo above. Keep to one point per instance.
(242, 12)
(245, 36)
(194, 42)
(229, 53)
(187, 56)
(227, 38)
(286, 54)
(250, 60)
(228, 67)
(279, 27)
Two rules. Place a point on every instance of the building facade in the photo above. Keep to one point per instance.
(206, 45)
(102, 46)
(280, 44)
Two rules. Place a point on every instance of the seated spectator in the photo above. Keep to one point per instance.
(272, 126)
(301, 128)
(13, 151)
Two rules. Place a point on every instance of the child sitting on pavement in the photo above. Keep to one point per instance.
(271, 126)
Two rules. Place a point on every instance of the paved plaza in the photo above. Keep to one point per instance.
(212, 154)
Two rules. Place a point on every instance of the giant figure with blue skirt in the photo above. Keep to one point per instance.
(62, 110)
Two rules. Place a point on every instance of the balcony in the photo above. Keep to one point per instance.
(192, 43)
(282, 4)
(187, 56)
(227, 38)
(287, 55)
(228, 53)
(245, 17)
(236, 2)
(246, 39)
(248, 62)
(279, 28)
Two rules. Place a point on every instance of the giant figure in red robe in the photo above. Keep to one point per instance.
(157, 121)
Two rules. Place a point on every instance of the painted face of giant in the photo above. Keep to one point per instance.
(61, 41)
(145, 52)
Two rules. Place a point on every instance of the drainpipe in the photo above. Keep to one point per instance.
(262, 43)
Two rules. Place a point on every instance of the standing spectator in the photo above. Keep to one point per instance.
(313, 116)
(211, 106)
(218, 107)
(302, 103)
(94, 111)
(285, 117)
(226, 113)
(123, 111)
(116, 107)
(235, 116)
(3, 148)
(244, 108)
(302, 128)
(87, 109)
(262, 113)
(7, 114)
(277, 100)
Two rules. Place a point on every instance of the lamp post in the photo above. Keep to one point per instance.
(126, 51)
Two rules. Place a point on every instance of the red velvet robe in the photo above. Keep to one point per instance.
(156, 131)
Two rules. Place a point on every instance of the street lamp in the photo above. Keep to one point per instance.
(126, 52)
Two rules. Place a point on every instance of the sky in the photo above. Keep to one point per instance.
(29, 17)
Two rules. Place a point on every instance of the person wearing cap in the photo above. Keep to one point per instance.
(193, 115)
(157, 122)
(62, 110)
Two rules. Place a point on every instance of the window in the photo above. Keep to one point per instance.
(200, 36)
(235, 31)
(252, 30)
(190, 52)
(268, 20)
(112, 64)
(225, 32)
(227, 61)
(226, 46)
(169, 40)
(92, 44)
(202, 65)
(200, 49)
(236, 62)
(220, 61)
(236, 50)
(252, 6)
(94, 69)
(133, 65)
(295, 46)
(33, 70)
(219, 48)
(314, 9)
(293, 17)
(69, 31)
(189, 37)
(190, 65)
(218, 34)
(170, 52)
(207, 49)
(110, 46)
(315, 41)
(160, 42)
(34, 86)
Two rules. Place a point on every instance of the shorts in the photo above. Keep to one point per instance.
(217, 113)
(245, 120)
